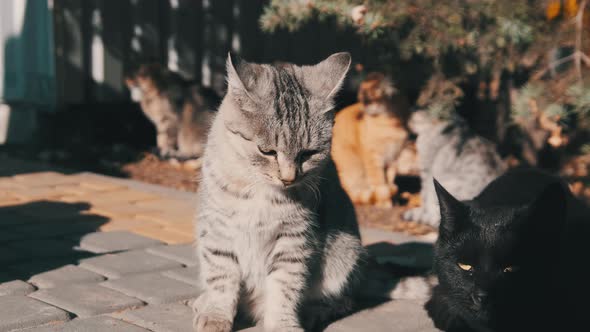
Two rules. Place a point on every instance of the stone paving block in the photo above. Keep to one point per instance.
(28, 267)
(94, 324)
(184, 253)
(103, 242)
(126, 195)
(153, 288)
(8, 183)
(37, 193)
(126, 263)
(19, 312)
(15, 287)
(10, 218)
(43, 179)
(8, 202)
(63, 276)
(46, 248)
(6, 235)
(173, 205)
(121, 224)
(174, 317)
(396, 315)
(168, 235)
(101, 185)
(121, 210)
(167, 218)
(190, 275)
(11, 255)
(54, 210)
(74, 228)
(73, 189)
(86, 300)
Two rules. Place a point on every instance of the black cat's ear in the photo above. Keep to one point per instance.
(451, 211)
(548, 211)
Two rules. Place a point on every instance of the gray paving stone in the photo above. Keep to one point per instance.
(47, 248)
(11, 255)
(402, 316)
(103, 242)
(11, 235)
(19, 312)
(71, 227)
(29, 267)
(86, 300)
(126, 263)
(153, 288)
(94, 324)
(65, 275)
(15, 287)
(174, 317)
(190, 275)
(184, 253)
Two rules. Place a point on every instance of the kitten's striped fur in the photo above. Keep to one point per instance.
(276, 233)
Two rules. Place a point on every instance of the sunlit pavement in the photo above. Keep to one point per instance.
(85, 252)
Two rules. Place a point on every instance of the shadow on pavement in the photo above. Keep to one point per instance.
(43, 235)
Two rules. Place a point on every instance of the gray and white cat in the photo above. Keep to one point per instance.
(276, 233)
(450, 152)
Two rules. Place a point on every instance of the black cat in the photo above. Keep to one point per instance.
(513, 258)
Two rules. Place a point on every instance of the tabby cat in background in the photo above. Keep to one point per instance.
(451, 153)
(368, 139)
(511, 259)
(180, 111)
(277, 236)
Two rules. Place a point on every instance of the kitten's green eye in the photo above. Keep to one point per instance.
(510, 269)
(465, 267)
(270, 153)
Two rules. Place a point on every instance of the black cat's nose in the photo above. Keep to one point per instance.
(478, 296)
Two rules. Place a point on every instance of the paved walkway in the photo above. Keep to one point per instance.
(84, 252)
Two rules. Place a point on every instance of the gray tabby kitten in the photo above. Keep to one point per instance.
(450, 152)
(276, 233)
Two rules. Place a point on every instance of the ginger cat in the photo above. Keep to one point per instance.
(368, 137)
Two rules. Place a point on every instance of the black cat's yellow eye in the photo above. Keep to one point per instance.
(465, 267)
(270, 153)
(510, 269)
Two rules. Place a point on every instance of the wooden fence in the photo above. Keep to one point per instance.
(96, 40)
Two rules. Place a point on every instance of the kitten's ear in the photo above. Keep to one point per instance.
(243, 78)
(451, 211)
(325, 78)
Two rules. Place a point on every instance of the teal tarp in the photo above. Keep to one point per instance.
(27, 63)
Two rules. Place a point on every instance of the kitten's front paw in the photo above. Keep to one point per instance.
(211, 323)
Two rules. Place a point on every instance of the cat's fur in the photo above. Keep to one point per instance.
(518, 221)
(368, 138)
(180, 111)
(450, 152)
(277, 236)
